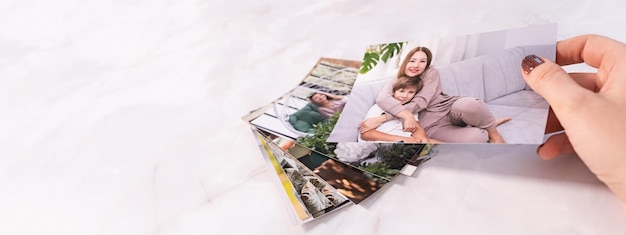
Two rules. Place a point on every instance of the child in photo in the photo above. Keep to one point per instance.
(389, 127)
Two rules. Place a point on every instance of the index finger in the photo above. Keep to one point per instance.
(594, 50)
(600, 52)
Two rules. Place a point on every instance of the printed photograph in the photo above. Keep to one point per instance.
(313, 105)
(306, 116)
(309, 195)
(350, 181)
(298, 210)
(461, 89)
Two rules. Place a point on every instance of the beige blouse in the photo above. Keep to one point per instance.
(335, 106)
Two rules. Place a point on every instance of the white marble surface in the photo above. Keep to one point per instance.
(124, 117)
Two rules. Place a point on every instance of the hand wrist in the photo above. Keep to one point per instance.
(382, 118)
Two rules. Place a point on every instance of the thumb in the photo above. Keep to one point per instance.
(550, 81)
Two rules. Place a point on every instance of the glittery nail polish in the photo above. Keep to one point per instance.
(530, 62)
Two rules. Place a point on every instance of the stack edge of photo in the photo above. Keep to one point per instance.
(310, 136)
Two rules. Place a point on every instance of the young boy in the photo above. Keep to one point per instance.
(404, 89)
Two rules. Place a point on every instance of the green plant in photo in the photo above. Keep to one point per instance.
(376, 53)
(397, 155)
(380, 169)
(370, 59)
(321, 131)
(390, 50)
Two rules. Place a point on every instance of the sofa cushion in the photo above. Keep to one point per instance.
(463, 78)
(502, 74)
(304, 119)
(523, 99)
(527, 125)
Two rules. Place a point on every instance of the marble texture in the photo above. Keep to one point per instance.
(124, 117)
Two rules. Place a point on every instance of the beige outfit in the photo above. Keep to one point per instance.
(447, 118)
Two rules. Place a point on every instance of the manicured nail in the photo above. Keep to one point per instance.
(530, 62)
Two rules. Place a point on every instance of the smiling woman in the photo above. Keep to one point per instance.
(328, 104)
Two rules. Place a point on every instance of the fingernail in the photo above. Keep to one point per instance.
(530, 62)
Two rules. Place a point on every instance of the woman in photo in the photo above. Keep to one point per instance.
(328, 104)
(453, 119)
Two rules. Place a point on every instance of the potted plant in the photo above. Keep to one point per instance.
(378, 52)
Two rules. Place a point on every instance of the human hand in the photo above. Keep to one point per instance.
(591, 108)
(371, 123)
(420, 135)
(409, 124)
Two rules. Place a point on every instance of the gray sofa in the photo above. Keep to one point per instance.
(495, 78)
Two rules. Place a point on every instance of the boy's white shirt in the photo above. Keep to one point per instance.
(392, 127)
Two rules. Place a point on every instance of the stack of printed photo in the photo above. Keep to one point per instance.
(349, 127)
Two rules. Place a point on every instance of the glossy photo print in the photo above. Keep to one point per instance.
(349, 181)
(462, 89)
(308, 195)
(313, 105)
